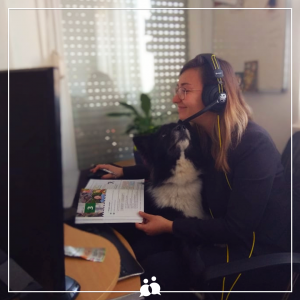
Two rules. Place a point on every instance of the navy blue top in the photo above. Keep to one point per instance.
(259, 201)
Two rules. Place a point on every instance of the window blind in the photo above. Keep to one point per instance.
(106, 64)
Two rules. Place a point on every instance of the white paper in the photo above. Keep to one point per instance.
(121, 200)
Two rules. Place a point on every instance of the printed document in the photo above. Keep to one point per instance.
(111, 201)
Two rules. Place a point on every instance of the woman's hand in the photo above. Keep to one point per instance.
(153, 225)
(117, 172)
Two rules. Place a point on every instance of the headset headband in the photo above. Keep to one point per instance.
(215, 65)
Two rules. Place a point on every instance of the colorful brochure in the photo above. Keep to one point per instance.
(111, 201)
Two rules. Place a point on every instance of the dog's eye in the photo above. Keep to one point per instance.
(163, 135)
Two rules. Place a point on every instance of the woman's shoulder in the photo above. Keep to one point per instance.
(255, 138)
(253, 129)
(255, 134)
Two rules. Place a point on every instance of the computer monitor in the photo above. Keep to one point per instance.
(35, 175)
(3, 166)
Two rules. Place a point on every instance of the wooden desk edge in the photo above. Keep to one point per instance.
(132, 283)
(78, 238)
(126, 163)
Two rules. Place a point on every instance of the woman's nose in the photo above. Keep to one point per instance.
(176, 99)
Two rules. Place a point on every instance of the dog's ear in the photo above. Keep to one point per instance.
(143, 144)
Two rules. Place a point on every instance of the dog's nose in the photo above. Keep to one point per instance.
(180, 127)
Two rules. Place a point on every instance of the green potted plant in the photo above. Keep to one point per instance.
(142, 122)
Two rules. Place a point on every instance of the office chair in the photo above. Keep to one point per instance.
(270, 272)
(264, 273)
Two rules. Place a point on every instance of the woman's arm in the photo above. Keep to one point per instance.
(133, 172)
(153, 225)
(136, 172)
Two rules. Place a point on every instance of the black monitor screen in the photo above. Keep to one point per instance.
(35, 176)
(3, 163)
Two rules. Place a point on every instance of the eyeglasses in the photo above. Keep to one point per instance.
(181, 92)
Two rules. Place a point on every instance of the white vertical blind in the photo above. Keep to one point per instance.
(110, 58)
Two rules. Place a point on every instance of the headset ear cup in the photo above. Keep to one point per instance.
(210, 94)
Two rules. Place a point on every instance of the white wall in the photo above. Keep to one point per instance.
(271, 111)
(253, 35)
(34, 41)
(3, 36)
(25, 50)
(200, 27)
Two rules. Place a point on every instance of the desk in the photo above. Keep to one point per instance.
(110, 266)
(129, 284)
(79, 268)
(133, 283)
(92, 276)
(126, 163)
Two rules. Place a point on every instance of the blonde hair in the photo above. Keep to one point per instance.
(233, 119)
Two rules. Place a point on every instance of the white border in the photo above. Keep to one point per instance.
(292, 150)
(8, 145)
(164, 8)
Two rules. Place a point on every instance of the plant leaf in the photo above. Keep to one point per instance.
(146, 104)
(128, 106)
(130, 128)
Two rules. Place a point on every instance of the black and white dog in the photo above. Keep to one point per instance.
(173, 156)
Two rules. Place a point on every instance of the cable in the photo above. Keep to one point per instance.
(219, 129)
(228, 181)
(253, 242)
(227, 258)
(238, 277)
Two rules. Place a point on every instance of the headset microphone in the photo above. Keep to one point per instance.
(213, 96)
(200, 112)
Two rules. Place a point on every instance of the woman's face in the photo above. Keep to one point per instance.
(190, 80)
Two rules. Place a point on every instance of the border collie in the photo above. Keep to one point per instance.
(173, 156)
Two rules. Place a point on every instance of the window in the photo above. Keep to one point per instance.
(113, 56)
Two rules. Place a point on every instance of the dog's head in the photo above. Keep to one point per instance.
(162, 150)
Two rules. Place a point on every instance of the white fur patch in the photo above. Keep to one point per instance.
(183, 144)
(188, 134)
(182, 190)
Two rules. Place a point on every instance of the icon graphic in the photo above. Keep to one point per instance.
(144, 289)
(89, 207)
(155, 287)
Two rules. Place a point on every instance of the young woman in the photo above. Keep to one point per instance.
(244, 185)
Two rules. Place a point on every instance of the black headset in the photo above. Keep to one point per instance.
(213, 96)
